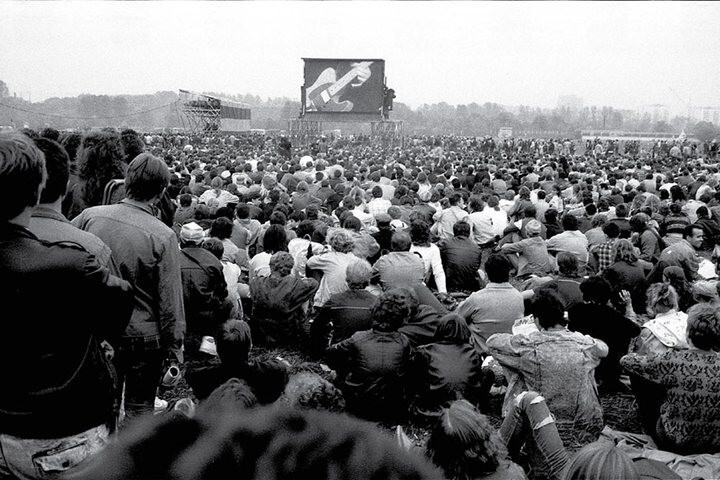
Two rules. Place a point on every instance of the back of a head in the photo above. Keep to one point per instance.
(234, 342)
(57, 164)
(390, 311)
(596, 289)
(146, 177)
(275, 239)
(601, 461)
(400, 242)
(214, 246)
(100, 159)
(22, 172)
(703, 327)
(548, 309)
(611, 230)
(464, 444)
(309, 390)
(567, 264)
(232, 397)
(452, 328)
(271, 444)
(661, 298)
(498, 268)
(358, 275)
(569, 222)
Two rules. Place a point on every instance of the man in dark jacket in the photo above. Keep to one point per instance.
(279, 303)
(377, 362)
(461, 260)
(204, 288)
(347, 312)
(60, 303)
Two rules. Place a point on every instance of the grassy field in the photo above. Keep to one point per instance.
(619, 409)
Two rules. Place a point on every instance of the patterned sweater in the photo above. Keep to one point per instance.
(691, 412)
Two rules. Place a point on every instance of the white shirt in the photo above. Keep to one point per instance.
(433, 264)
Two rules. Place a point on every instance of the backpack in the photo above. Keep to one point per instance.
(111, 188)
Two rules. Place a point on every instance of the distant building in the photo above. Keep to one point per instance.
(571, 102)
(657, 112)
(706, 114)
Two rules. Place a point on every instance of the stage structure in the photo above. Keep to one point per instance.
(200, 113)
(342, 90)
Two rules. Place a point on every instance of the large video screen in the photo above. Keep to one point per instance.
(343, 85)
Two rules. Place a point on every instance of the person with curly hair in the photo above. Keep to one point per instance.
(100, 159)
(377, 362)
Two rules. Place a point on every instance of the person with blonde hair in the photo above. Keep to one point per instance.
(333, 265)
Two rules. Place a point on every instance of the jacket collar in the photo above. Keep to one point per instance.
(47, 212)
(140, 205)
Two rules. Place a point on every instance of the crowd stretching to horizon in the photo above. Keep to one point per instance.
(420, 280)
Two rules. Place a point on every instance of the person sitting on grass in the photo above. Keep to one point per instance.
(266, 378)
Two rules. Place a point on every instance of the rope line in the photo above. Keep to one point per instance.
(105, 117)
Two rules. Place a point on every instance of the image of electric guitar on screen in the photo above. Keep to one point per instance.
(324, 94)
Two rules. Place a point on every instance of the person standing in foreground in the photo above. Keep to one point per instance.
(58, 389)
(147, 255)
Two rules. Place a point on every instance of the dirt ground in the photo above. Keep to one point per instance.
(619, 409)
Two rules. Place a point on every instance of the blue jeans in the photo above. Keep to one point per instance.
(36, 459)
(139, 365)
(530, 424)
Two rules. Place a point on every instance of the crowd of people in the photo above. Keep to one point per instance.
(421, 280)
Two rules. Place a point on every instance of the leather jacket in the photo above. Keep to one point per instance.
(59, 303)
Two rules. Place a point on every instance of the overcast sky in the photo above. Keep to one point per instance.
(619, 54)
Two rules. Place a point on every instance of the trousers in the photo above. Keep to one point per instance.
(531, 425)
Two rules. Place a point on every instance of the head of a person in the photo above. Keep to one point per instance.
(621, 211)
(567, 264)
(498, 268)
(100, 159)
(400, 242)
(232, 397)
(390, 311)
(694, 235)
(275, 239)
(551, 215)
(234, 342)
(377, 192)
(703, 327)
(22, 175)
(601, 460)
(639, 222)
(661, 298)
(463, 443)
(308, 390)
(281, 264)
(454, 199)
(569, 222)
(214, 246)
(703, 212)
(146, 178)
(341, 242)
(57, 164)
(533, 228)
(624, 251)
(221, 228)
(357, 275)
(353, 223)
(453, 329)
(191, 235)
(611, 230)
(132, 144)
(461, 230)
(548, 310)
(420, 232)
(185, 200)
(596, 289)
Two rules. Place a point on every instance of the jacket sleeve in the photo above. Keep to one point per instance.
(171, 311)
(649, 367)
(505, 349)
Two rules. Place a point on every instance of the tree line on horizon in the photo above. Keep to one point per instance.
(161, 111)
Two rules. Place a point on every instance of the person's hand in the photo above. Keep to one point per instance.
(625, 297)
(108, 350)
(362, 71)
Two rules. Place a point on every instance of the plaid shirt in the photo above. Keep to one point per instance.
(604, 254)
